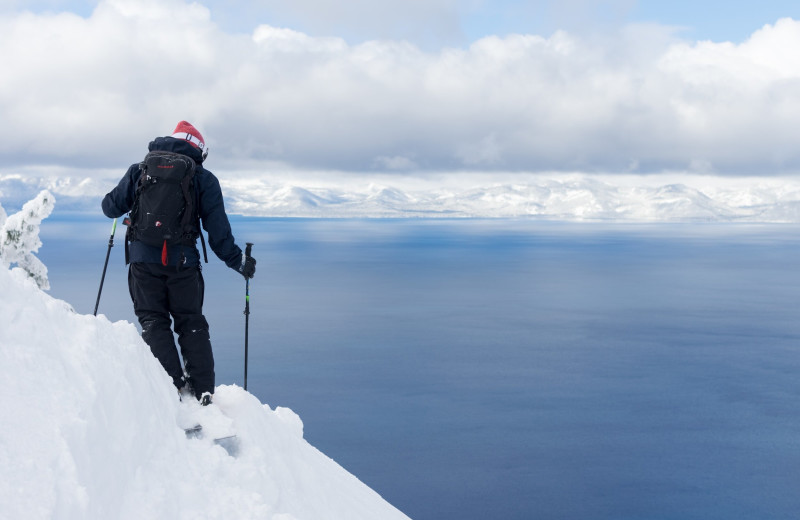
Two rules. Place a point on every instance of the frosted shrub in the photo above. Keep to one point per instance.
(19, 237)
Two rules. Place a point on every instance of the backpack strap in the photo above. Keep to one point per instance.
(202, 241)
(197, 222)
(191, 201)
(127, 250)
(128, 221)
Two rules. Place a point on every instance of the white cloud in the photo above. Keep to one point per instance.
(396, 163)
(430, 21)
(90, 92)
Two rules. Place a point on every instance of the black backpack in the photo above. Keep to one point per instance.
(164, 211)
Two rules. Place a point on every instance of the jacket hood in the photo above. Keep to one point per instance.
(171, 144)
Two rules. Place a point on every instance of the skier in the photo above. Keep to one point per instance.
(167, 281)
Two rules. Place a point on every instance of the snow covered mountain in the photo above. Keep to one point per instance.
(90, 430)
(576, 197)
(569, 198)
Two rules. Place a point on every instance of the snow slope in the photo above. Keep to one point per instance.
(90, 432)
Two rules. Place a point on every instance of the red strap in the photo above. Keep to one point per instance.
(164, 254)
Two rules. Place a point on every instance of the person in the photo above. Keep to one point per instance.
(168, 282)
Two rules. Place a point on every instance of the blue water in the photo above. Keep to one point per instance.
(513, 369)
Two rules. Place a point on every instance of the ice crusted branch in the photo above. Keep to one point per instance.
(19, 237)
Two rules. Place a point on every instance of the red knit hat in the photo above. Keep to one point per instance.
(187, 132)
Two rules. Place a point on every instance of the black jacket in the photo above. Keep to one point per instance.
(211, 209)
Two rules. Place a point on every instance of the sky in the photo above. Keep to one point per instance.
(405, 87)
(431, 23)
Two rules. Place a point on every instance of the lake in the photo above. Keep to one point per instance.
(512, 369)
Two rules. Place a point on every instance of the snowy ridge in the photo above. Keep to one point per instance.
(569, 197)
(89, 432)
(576, 197)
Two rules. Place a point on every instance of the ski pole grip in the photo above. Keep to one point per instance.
(248, 248)
(113, 230)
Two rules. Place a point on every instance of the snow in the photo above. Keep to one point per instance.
(668, 197)
(91, 431)
(559, 197)
(19, 237)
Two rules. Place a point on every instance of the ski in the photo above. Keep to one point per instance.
(195, 432)
(230, 443)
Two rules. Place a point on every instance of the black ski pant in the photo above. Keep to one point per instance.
(160, 292)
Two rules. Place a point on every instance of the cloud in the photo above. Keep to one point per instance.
(356, 20)
(89, 92)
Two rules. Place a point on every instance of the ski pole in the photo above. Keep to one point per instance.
(105, 266)
(246, 312)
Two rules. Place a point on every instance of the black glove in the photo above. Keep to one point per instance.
(248, 267)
